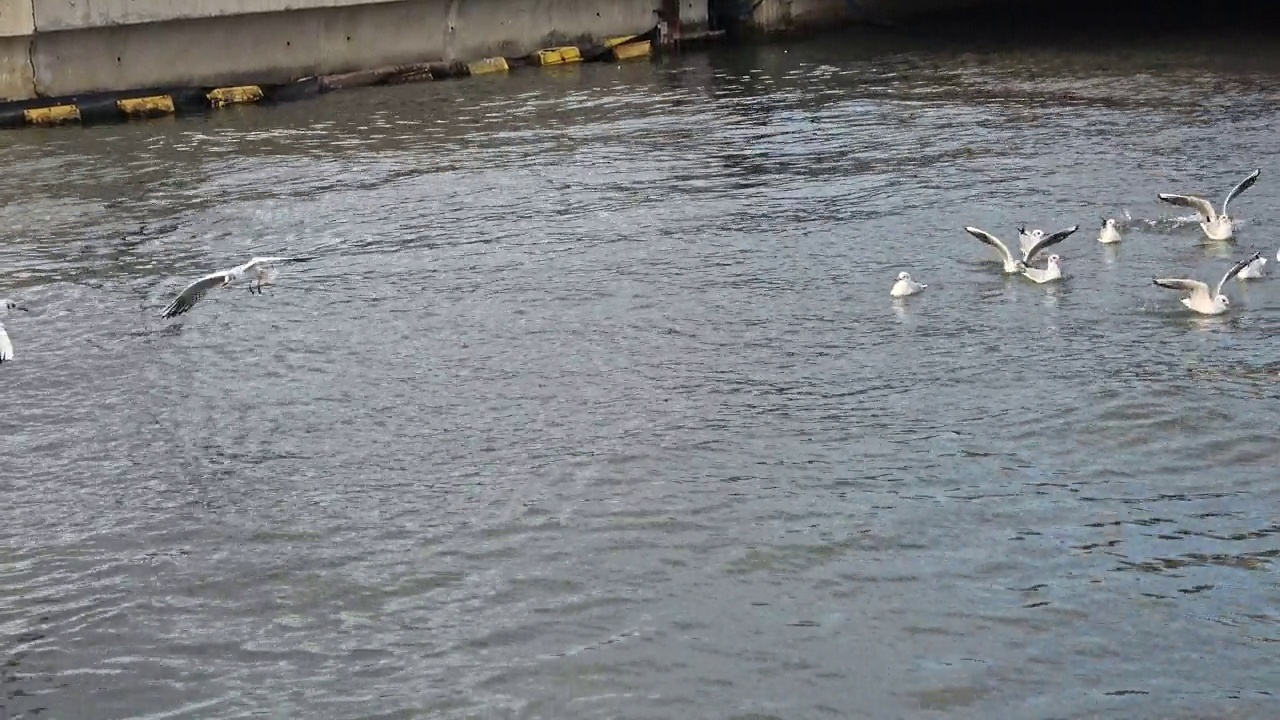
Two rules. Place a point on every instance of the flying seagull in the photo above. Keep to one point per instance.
(260, 270)
(1199, 300)
(1216, 226)
(1016, 267)
(6, 347)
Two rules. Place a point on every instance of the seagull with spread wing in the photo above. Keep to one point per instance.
(1200, 300)
(1218, 226)
(260, 271)
(1014, 266)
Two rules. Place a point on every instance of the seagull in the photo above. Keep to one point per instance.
(1016, 267)
(1217, 227)
(1200, 301)
(1050, 273)
(1027, 240)
(6, 347)
(906, 286)
(1108, 234)
(1043, 241)
(259, 269)
(1254, 269)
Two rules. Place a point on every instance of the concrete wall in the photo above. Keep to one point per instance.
(816, 12)
(54, 15)
(16, 18)
(67, 47)
(904, 9)
(694, 14)
(16, 27)
(16, 80)
(52, 48)
(782, 14)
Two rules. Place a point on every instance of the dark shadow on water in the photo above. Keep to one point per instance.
(1236, 35)
(1104, 19)
(1235, 41)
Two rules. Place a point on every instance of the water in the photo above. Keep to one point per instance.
(595, 403)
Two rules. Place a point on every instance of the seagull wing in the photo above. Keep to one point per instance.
(6, 347)
(1048, 240)
(1245, 184)
(259, 262)
(993, 241)
(193, 292)
(1200, 205)
(1234, 271)
(1195, 287)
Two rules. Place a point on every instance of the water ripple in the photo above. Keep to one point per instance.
(594, 403)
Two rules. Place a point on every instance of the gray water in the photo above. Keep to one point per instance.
(594, 403)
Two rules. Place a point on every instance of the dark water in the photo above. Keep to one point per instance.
(595, 403)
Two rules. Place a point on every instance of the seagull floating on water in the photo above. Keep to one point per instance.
(1017, 267)
(1109, 233)
(1052, 272)
(1253, 270)
(906, 286)
(1217, 226)
(6, 347)
(1199, 300)
(259, 269)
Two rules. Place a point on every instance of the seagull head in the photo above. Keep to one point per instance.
(11, 305)
(1223, 300)
(904, 276)
(1055, 259)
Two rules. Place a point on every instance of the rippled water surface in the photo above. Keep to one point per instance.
(594, 403)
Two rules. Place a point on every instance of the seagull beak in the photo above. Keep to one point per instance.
(20, 307)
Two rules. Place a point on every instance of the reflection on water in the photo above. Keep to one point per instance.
(596, 404)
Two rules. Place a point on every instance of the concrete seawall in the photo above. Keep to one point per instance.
(51, 48)
(774, 15)
(60, 49)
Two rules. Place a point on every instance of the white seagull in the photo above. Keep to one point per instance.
(6, 347)
(1016, 267)
(1199, 300)
(1050, 273)
(259, 269)
(1028, 240)
(1253, 270)
(906, 286)
(1109, 233)
(1216, 226)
